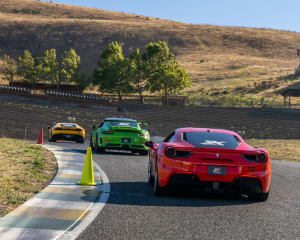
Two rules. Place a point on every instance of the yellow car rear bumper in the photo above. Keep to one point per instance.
(68, 132)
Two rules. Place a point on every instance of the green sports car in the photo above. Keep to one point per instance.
(120, 134)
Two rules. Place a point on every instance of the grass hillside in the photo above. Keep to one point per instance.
(257, 62)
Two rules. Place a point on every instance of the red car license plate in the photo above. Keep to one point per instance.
(216, 170)
(126, 140)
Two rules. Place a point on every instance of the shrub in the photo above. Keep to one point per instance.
(297, 72)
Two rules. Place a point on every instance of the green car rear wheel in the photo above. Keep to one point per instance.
(143, 152)
(97, 148)
(91, 143)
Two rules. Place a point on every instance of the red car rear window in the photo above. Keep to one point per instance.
(211, 140)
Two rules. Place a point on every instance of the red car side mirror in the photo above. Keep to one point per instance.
(149, 144)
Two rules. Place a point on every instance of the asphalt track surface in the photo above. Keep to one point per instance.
(133, 212)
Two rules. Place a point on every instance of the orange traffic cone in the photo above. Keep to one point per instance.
(41, 137)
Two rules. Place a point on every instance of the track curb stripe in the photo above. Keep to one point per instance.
(59, 207)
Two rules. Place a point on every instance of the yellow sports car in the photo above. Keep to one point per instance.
(66, 131)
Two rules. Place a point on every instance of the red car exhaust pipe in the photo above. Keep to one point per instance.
(195, 179)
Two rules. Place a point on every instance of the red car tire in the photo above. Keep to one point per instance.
(158, 190)
(149, 174)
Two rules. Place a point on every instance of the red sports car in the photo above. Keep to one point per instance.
(214, 158)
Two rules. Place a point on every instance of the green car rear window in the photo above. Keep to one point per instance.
(123, 124)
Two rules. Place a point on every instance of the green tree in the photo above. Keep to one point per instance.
(163, 71)
(70, 68)
(111, 75)
(51, 68)
(10, 70)
(30, 69)
(159, 51)
(137, 73)
(82, 81)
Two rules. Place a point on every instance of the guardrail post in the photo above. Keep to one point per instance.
(26, 131)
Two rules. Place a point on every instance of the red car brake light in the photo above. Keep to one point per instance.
(173, 153)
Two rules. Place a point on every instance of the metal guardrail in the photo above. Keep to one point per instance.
(95, 98)
(82, 96)
(15, 89)
(27, 131)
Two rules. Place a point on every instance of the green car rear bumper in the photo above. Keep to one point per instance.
(123, 143)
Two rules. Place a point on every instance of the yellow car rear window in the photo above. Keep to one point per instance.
(68, 125)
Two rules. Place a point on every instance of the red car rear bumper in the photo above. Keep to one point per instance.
(200, 172)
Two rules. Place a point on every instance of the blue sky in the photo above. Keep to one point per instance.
(276, 14)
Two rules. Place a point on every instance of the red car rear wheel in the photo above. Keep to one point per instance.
(158, 190)
(150, 177)
(260, 196)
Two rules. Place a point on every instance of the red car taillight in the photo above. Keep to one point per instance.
(143, 135)
(260, 158)
(173, 153)
(170, 152)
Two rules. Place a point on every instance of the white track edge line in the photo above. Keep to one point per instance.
(98, 205)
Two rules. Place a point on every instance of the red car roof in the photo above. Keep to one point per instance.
(191, 129)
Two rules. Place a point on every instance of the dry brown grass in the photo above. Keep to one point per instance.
(218, 58)
(279, 149)
(56, 10)
(25, 170)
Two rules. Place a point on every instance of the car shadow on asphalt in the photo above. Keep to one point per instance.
(70, 150)
(109, 152)
(141, 194)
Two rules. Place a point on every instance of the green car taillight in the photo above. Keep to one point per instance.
(143, 135)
